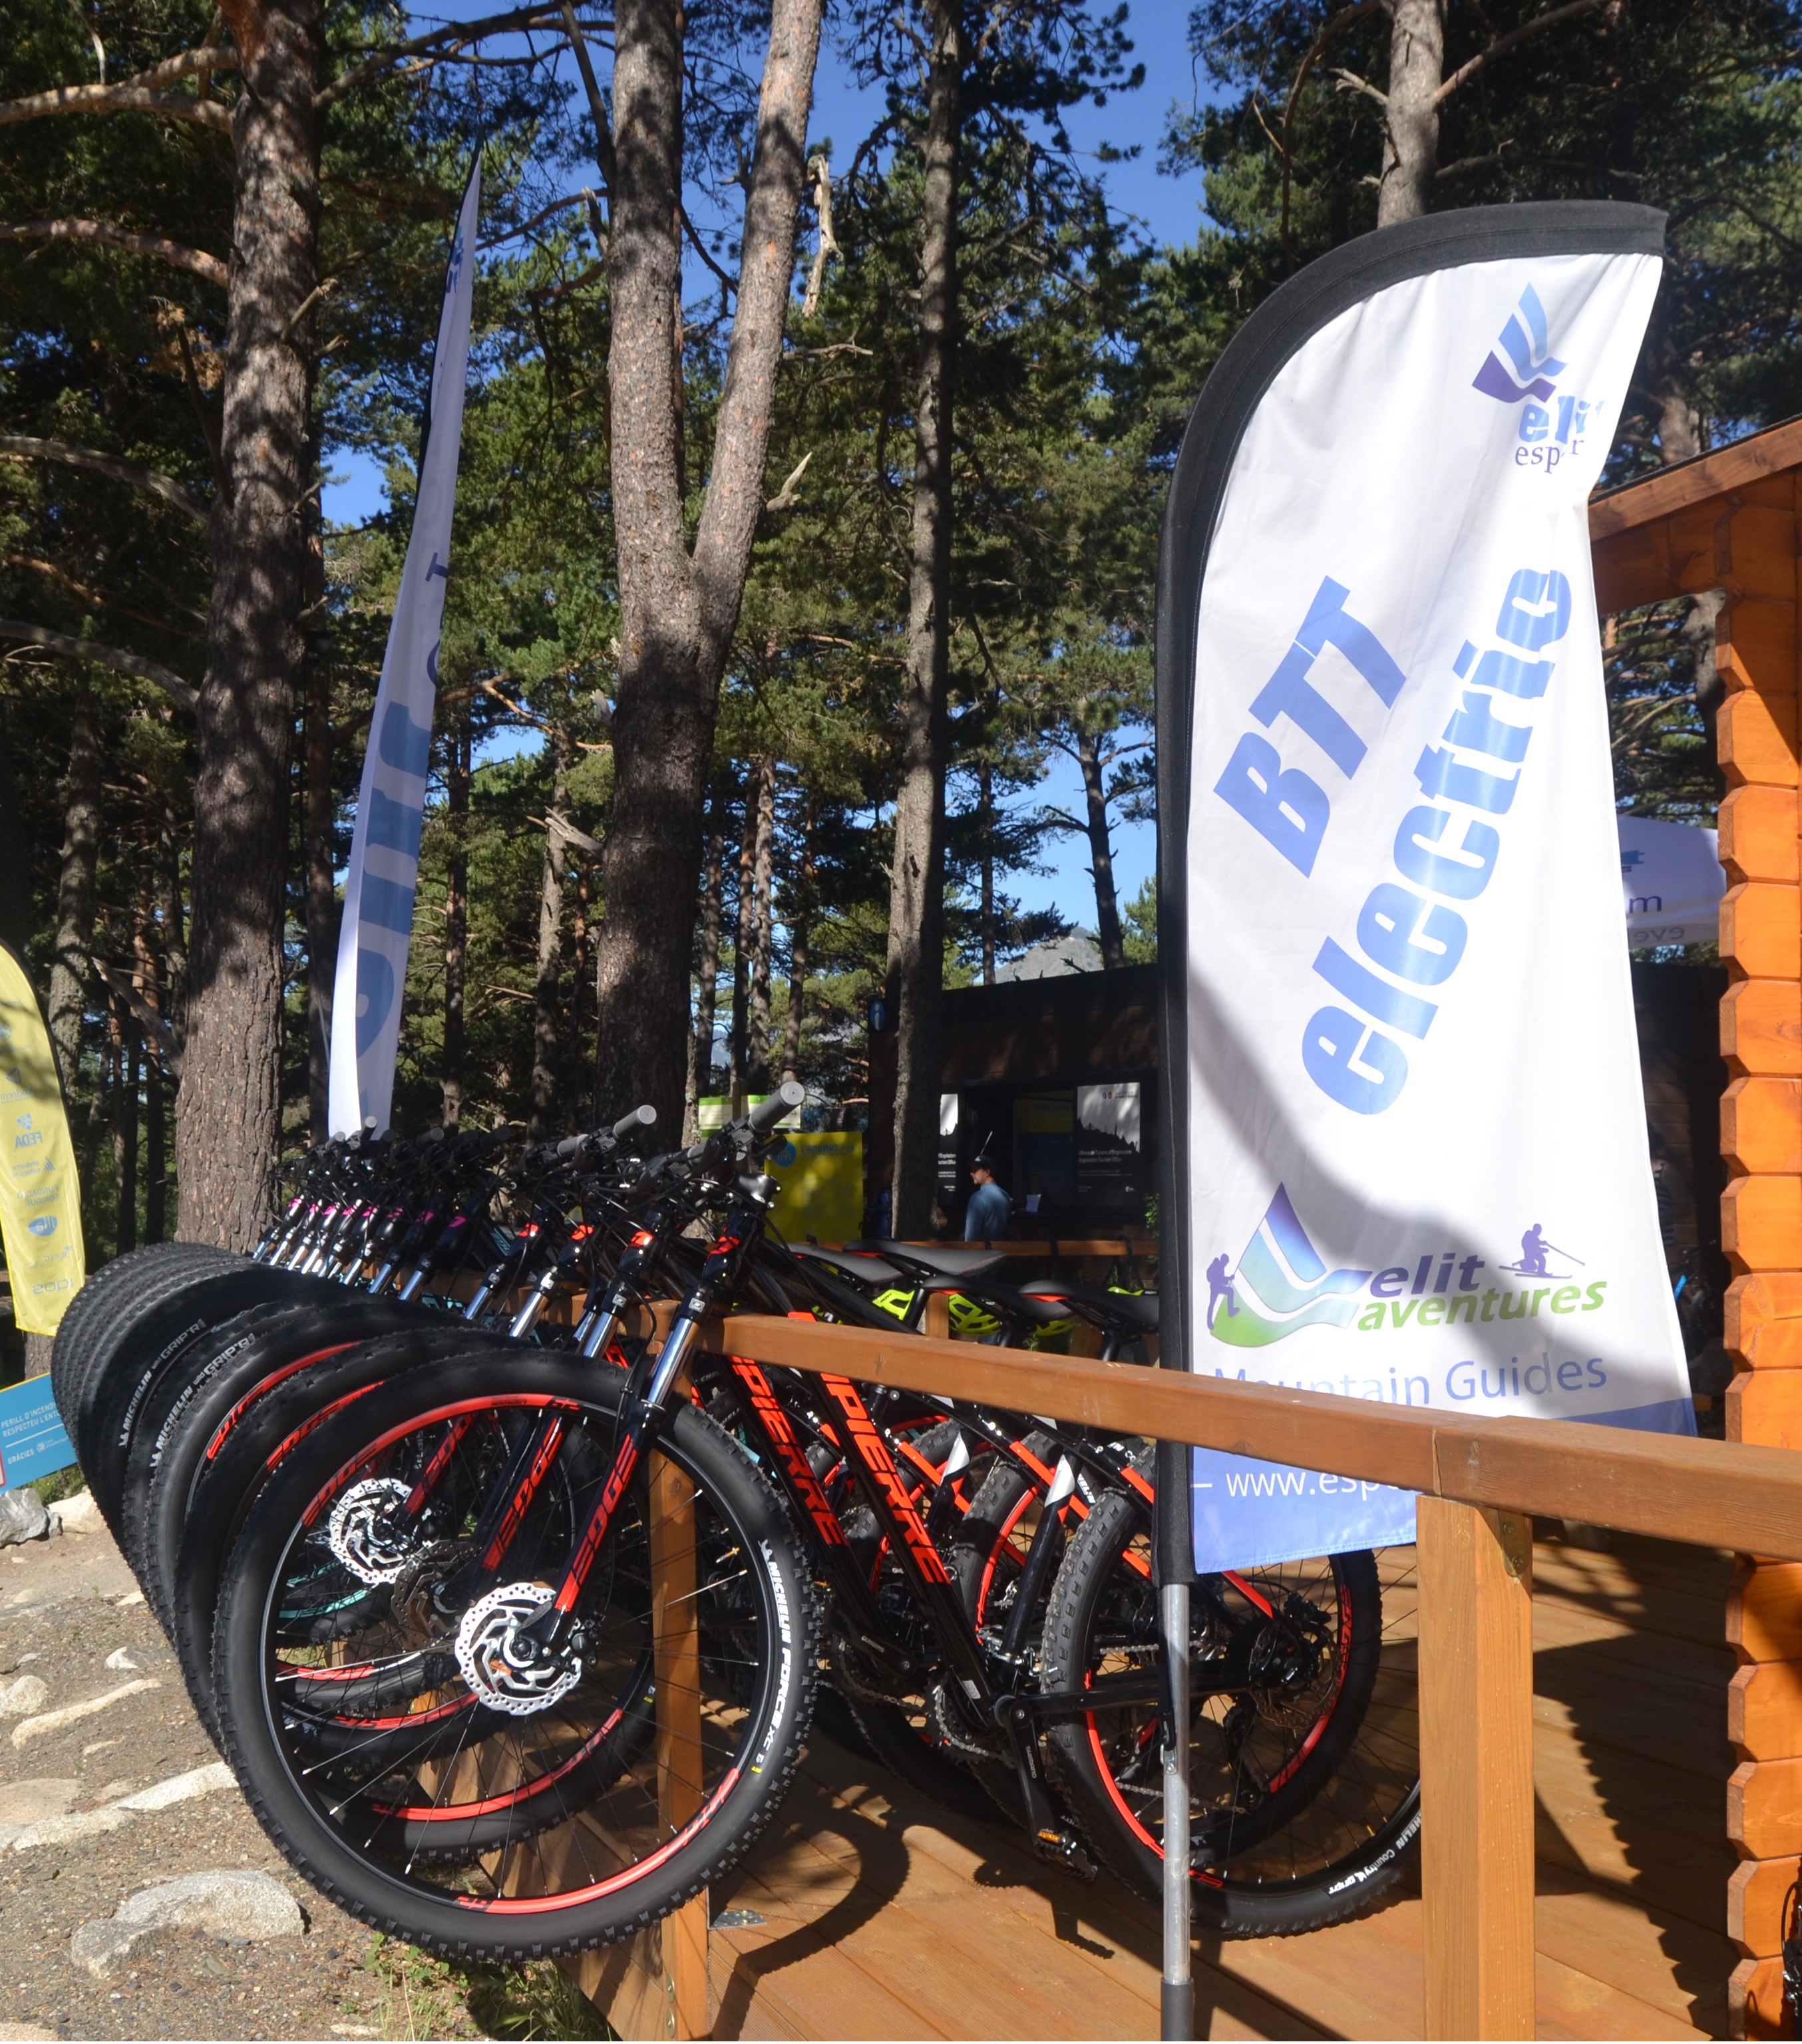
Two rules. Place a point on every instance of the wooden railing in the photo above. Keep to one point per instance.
(1481, 1483)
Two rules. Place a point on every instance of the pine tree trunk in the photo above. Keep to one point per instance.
(456, 920)
(915, 958)
(678, 612)
(18, 919)
(985, 785)
(175, 931)
(762, 920)
(1411, 143)
(69, 969)
(322, 910)
(146, 981)
(800, 921)
(707, 977)
(741, 944)
(1101, 851)
(227, 1124)
(546, 1056)
(127, 1060)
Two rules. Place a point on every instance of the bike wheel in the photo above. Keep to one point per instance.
(249, 1439)
(406, 1767)
(107, 1292)
(246, 1357)
(1304, 1760)
(154, 1331)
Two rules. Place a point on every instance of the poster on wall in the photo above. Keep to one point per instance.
(1408, 1159)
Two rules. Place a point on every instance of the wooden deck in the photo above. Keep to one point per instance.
(884, 1917)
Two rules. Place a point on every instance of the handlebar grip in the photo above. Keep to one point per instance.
(789, 1095)
(571, 1145)
(640, 1117)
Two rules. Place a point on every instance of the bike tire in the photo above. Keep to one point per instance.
(186, 1407)
(161, 1324)
(1316, 1826)
(603, 1873)
(104, 1295)
(247, 1442)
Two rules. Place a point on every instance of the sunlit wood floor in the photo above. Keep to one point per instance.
(884, 1917)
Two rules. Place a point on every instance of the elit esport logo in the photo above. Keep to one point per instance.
(1522, 370)
(1282, 1283)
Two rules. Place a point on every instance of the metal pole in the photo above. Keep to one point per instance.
(1178, 1994)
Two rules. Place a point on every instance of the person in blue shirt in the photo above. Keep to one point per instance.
(990, 1209)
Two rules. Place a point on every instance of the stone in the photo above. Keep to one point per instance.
(30, 1802)
(23, 2033)
(235, 1904)
(79, 1514)
(22, 1517)
(22, 1696)
(181, 1788)
(74, 1713)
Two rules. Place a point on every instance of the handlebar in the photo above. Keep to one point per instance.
(789, 1095)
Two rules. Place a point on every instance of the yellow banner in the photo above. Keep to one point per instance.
(41, 1220)
(822, 1187)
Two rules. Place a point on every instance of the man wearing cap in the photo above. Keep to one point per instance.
(989, 1209)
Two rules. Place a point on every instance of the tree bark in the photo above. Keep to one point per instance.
(227, 1124)
(707, 977)
(801, 923)
(678, 612)
(322, 911)
(456, 920)
(1101, 851)
(124, 1130)
(146, 983)
(742, 944)
(546, 1061)
(915, 958)
(175, 933)
(69, 969)
(18, 921)
(1411, 136)
(985, 795)
(762, 920)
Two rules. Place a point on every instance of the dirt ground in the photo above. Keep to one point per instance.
(71, 1614)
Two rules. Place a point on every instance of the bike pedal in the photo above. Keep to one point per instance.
(1063, 1848)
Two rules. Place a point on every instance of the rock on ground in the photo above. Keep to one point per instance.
(22, 1516)
(239, 1905)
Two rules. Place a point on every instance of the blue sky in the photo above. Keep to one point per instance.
(1167, 209)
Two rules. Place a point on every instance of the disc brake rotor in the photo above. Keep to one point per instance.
(504, 1670)
(361, 1535)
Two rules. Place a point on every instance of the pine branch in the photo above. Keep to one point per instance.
(1508, 42)
(17, 447)
(184, 694)
(209, 268)
(136, 94)
(464, 32)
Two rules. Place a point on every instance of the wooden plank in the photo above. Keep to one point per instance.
(1476, 1769)
(1723, 1494)
(1761, 1222)
(1755, 1897)
(1755, 736)
(1760, 559)
(676, 1647)
(1764, 1611)
(1765, 1406)
(1764, 1711)
(1764, 1808)
(1755, 639)
(1765, 1300)
(1760, 928)
(1761, 1126)
(1690, 483)
(1758, 839)
(1761, 1025)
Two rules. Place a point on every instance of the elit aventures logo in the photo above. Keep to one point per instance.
(1522, 370)
(1282, 1283)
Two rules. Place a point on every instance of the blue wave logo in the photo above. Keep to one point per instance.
(1281, 1283)
(44, 1224)
(1523, 340)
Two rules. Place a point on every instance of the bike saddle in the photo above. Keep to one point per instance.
(1138, 1309)
(866, 1269)
(940, 1259)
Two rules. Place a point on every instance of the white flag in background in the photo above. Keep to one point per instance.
(384, 869)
